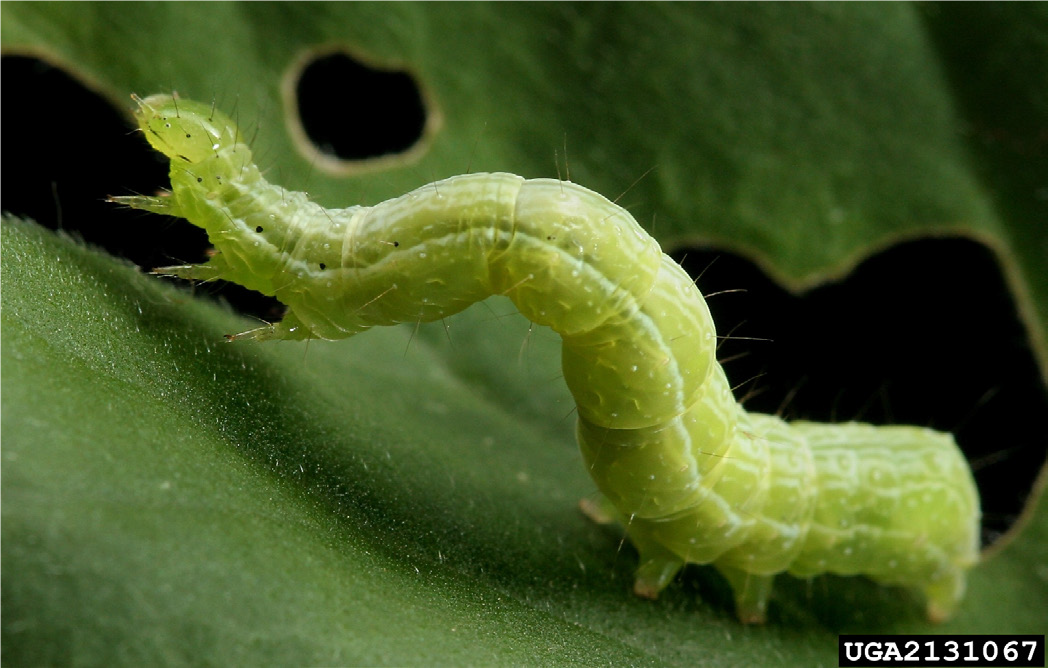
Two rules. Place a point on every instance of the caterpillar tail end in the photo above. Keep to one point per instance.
(165, 205)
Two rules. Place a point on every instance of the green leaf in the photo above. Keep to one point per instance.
(410, 496)
(169, 497)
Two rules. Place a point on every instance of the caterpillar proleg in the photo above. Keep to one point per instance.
(692, 476)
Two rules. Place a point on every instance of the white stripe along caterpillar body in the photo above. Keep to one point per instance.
(693, 476)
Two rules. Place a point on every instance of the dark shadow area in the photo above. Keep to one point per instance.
(66, 148)
(354, 111)
(924, 333)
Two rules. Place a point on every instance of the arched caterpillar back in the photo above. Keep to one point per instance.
(692, 475)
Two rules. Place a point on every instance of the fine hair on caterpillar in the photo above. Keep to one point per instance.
(692, 475)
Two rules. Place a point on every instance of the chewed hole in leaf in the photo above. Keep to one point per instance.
(350, 114)
(924, 333)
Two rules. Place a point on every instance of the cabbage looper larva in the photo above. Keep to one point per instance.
(693, 476)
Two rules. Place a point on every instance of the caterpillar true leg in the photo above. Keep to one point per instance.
(164, 205)
(693, 476)
(191, 272)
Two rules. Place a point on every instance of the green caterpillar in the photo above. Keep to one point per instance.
(692, 476)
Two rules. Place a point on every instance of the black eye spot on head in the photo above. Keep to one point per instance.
(323, 266)
(200, 179)
(259, 229)
(396, 244)
(188, 136)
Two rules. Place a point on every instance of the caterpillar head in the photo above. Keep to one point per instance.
(183, 129)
